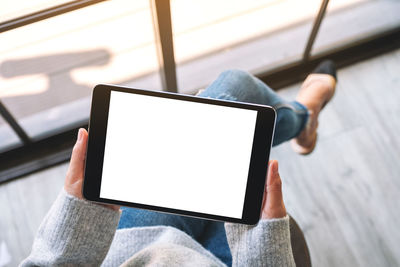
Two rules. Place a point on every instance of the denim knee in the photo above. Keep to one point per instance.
(239, 85)
(236, 75)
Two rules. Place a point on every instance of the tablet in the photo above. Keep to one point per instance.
(178, 154)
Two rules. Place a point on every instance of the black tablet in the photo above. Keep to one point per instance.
(178, 154)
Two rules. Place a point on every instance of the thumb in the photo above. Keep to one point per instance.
(273, 201)
(74, 179)
(77, 162)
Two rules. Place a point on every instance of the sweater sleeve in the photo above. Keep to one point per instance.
(74, 232)
(266, 244)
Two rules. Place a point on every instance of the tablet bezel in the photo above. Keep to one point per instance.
(262, 141)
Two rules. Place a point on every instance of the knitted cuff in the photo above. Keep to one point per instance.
(266, 244)
(75, 227)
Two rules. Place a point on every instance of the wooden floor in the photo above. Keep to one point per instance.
(344, 195)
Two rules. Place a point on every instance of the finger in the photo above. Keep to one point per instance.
(265, 187)
(274, 184)
(77, 162)
(274, 206)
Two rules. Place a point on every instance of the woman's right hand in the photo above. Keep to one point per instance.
(74, 179)
(273, 206)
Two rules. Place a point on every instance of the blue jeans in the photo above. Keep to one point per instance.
(232, 85)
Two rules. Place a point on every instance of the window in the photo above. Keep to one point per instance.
(48, 68)
(52, 56)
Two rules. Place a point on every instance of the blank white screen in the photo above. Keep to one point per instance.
(177, 154)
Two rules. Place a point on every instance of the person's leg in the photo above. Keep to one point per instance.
(214, 240)
(316, 91)
(210, 234)
(237, 85)
(131, 217)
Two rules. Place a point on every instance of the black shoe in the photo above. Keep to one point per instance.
(326, 67)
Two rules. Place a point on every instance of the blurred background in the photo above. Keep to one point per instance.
(52, 53)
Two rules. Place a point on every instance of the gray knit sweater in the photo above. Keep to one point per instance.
(80, 233)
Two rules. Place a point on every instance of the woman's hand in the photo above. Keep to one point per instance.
(74, 180)
(273, 206)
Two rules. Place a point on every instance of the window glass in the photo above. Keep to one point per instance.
(11, 9)
(212, 36)
(347, 21)
(48, 69)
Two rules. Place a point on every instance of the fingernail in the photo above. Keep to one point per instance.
(274, 167)
(80, 135)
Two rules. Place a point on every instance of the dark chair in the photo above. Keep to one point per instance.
(300, 250)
